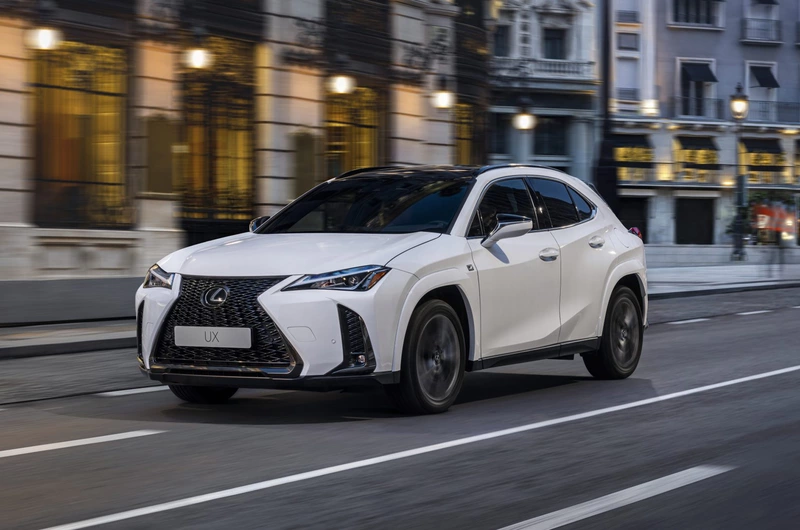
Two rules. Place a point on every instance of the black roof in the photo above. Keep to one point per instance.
(438, 172)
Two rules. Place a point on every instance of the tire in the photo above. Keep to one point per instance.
(434, 357)
(621, 343)
(207, 395)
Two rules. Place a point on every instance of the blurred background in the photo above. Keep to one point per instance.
(129, 129)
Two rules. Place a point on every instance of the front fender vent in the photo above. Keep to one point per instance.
(359, 357)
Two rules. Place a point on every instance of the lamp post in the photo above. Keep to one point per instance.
(740, 106)
(524, 121)
(198, 56)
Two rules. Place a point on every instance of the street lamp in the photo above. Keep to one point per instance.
(524, 121)
(442, 97)
(43, 37)
(341, 82)
(740, 106)
(198, 57)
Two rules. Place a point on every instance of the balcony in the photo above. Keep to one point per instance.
(627, 17)
(699, 108)
(508, 71)
(718, 175)
(761, 31)
(628, 94)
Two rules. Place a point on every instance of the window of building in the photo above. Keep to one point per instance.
(505, 197)
(762, 83)
(557, 202)
(550, 135)
(627, 79)
(628, 41)
(697, 84)
(554, 45)
(79, 100)
(465, 130)
(502, 41)
(765, 161)
(633, 156)
(500, 135)
(696, 12)
(696, 159)
(219, 106)
(352, 126)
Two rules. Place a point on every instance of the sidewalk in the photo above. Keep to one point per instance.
(672, 282)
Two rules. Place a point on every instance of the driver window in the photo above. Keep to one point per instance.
(504, 197)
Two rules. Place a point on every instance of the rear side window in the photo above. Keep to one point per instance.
(557, 202)
(583, 207)
(504, 197)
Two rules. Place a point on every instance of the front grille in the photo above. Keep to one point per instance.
(139, 315)
(241, 309)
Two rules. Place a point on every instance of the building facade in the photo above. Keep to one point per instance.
(132, 128)
(544, 61)
(676, 63)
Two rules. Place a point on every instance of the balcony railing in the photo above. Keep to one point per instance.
(628, 94)
(774, 112)
(515, 70)
(761, 30)
(704, 108)
(627, 17)
(721, 175)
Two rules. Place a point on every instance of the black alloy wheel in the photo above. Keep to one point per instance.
(621, 344)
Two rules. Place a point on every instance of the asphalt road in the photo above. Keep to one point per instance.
(706, 434)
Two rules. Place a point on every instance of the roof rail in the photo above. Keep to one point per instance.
(364, 170)
(484, 169)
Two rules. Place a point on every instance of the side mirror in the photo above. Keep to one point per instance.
(638, 233)
(508, 226)
(257, 222)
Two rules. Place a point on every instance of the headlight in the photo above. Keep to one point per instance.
(158, 277)
(357, 279)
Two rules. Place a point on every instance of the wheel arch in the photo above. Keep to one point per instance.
(452, 287)
(629, 274)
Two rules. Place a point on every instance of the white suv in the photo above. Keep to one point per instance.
(405, 276)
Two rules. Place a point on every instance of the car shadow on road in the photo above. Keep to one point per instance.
(297, 408)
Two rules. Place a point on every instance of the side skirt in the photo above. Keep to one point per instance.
(559, 351)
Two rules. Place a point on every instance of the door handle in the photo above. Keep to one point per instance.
(549, 254)
(597, 242)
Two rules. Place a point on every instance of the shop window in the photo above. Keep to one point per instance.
(464, 133)
(79, 100)
(352, 131)
(219, 105)
(634, 164)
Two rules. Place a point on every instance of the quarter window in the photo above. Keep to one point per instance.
(505, 197)
(557, 201)
(583, 207)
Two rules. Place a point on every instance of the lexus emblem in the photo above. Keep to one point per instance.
(215, 296)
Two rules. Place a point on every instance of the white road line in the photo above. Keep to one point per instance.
(131, 391)
(796, 307)
(619, 499)
(692, 321)
(308, 475)
(748, 313)
(76, 443)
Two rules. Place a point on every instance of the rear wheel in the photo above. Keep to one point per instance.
(621, 344)
(433, 360)
(208, 395)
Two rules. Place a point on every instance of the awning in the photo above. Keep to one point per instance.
(699, 72)
(767, 2)
(697, 142)
(764, 76)
(632, 140)
(762, 145)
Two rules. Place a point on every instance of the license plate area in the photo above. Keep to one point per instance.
(213, 337)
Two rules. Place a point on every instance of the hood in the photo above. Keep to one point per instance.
(287, 254)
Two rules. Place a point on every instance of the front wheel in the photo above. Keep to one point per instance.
(207, 395)
(621, 344)
(434, 357)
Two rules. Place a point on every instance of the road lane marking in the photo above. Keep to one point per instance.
(131, 391)
(796, 307)
(692, 321)
(748, 313)
(308, 475)
(619, 499)
(75, 443)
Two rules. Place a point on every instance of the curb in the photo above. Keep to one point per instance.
(58, 348)
(724, 290)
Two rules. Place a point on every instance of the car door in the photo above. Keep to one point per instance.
(518, 277)
(586, 255)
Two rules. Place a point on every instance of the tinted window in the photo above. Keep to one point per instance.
(557, 202)
(372, 204)
(584, 208)
(505, 197)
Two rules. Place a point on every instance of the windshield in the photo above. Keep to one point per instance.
(380, 204)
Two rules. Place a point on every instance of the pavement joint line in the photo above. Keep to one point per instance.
(322, 472)
(76, 443)
(691, 321)
(131, 391)
(620, 498)
(759, 312)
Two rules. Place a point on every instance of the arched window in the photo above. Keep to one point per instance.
(79, 92)
(352, 125)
